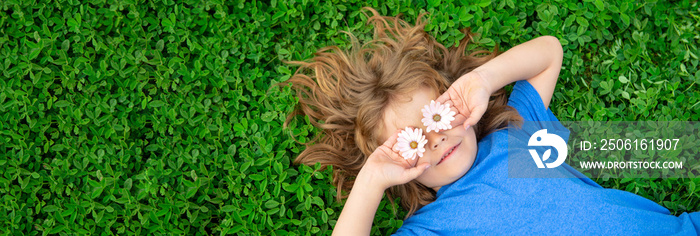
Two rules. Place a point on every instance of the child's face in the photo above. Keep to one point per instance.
(407, 113)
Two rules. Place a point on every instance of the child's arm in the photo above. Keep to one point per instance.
(358, 212)
(384, 168)
(538, 61)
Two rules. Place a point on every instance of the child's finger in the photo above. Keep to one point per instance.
(459, 116)
(452, 97)
(393, 150)
(417, 171)
(448, 102)
(395, 157)
(411, 162)
(459, 120)
(391, 141)
(443, 98)
(447, 95)
(474, 116)
(457, 103)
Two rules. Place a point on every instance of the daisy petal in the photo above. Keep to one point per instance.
(437, 116)
(408, 136)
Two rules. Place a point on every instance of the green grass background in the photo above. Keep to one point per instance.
(158, 117)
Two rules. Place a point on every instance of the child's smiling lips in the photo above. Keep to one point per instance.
(448, 153)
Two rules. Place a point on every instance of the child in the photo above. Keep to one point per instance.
(458, 183)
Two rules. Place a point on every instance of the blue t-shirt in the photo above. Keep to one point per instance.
(486, 201)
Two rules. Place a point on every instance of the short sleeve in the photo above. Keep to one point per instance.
(528, 102)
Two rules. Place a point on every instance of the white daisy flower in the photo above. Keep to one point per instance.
(411, 143)
(437, 116)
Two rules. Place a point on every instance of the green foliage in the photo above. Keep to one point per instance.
(157, 117)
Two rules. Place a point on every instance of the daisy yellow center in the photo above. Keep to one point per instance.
(437, 117)
(414, 144)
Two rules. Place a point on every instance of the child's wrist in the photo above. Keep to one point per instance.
(367, 180)
(366, 185)
(485, 79)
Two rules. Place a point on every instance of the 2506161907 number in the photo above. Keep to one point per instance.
(639, 144)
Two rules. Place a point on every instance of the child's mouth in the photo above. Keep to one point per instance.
(448, 153)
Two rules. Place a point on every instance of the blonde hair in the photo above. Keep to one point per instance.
(344, 93)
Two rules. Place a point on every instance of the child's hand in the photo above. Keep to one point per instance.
(470, 96)
(385, 167)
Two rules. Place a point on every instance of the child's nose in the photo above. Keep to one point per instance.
(435, 140)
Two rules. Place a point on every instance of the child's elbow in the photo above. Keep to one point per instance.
(553, 45)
